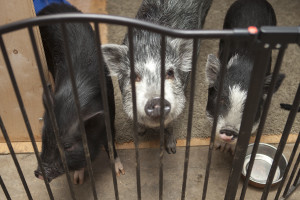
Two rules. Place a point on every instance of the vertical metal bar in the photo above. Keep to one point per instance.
(292, 188)
(24, 113)
(287, 187)
(50, 111)
(162, 114)
(14, 157)
(5, 190)
(297, 178)
(284, 137)
(190, 116)
(260, 67)
(214, 127)
(263, 119)
(134, 110)
(106, 109)
(77, 104)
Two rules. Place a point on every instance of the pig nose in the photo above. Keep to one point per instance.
(152, 107)
(229, 132)
(38, 175)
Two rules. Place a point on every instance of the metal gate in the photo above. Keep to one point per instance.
(266, 40)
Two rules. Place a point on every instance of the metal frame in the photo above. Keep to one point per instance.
(267, 39)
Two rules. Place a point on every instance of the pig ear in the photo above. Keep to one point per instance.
(185, 49)
(115, 57)
(232, 61)
(277, 83)
(212, 69)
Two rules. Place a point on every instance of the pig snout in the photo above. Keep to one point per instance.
(228, 135)
(39, 175)
(50, 172)
(152, 107)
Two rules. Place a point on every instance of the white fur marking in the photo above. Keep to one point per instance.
(237, 98)
(151, 65)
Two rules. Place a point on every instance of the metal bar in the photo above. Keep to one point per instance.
(293, 34)
(297, 178)
(106, 109)
(214, 127)
(24, 113)
(274, 35)
(162, 115)
(190, 117)
(117, 20)
(285, 134)
(4, 189)
(254, 93)
(263, 119)
(77, 104)
(50, 111)
(14, 157)
(134, 110)
(287, 187)
(291, 190)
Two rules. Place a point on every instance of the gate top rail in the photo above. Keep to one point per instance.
(266, 33)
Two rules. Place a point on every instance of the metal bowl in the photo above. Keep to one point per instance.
(262, 165)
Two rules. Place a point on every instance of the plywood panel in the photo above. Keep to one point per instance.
(21, 56)
(95, 7)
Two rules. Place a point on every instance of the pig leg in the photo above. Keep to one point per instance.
(141, 130)
(170, 141)
(220, 144)
(217, 144)
(225, 147)
(79, 176)
(232, 148)
(119, 167)
(118, 164)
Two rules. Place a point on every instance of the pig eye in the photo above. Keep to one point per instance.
(67, 146)
(170, 74)
(137, 78)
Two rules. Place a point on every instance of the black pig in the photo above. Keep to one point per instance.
(84, 58)
(241, 14)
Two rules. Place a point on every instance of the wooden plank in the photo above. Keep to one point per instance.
(26, 147)
(22, 58)
(96, 7)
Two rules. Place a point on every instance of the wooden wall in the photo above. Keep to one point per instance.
(22, 58)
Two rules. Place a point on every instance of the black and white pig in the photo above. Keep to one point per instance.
(241, 14)
(175, 14)
(84, 58)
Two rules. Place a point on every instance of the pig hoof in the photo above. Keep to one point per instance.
(141, 130)
(79, 176)
(119, 167)
(222, 147)
(170, 143)
(227, 148)
(217, 145)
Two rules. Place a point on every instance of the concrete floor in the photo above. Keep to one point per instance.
(173, 164)
(149, 159)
